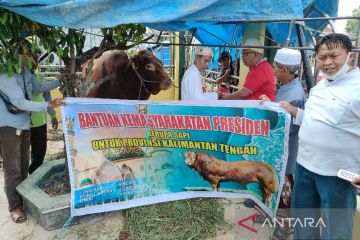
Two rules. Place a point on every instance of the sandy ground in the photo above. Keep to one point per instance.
(55, 146)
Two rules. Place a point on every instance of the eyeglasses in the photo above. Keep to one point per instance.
(247, 53)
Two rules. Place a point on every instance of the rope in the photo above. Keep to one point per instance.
(142, 85)
(64, 228)
(93, 85)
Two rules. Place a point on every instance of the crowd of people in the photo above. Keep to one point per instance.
(324, 133)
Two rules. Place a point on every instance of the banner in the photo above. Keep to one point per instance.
(123, 154)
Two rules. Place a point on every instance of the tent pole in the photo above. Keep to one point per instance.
(289, 35)
(309, 78)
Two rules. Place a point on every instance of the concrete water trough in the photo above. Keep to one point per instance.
(50, 212)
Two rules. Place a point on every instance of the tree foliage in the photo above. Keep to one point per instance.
(353, 24)
(17, 31)
(67, 44)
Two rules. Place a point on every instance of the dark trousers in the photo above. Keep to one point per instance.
(15, 150)
(328, 197)
(38, 146)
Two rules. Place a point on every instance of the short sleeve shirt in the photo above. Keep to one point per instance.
(261, 80)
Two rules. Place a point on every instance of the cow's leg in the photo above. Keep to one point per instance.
(262, 189)
(268, 196)
(215, 182)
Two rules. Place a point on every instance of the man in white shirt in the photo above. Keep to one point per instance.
(329, 140)
(191, 84)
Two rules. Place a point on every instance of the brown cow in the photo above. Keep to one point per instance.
(244, 172)
(149, 76)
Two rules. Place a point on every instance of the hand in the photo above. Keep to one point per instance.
(225, 96)
(57, 102)
(288, 107)
(54, 123)
(356, 183)
(220, 95)
(264, 98)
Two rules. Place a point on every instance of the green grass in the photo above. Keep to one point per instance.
(179, 220)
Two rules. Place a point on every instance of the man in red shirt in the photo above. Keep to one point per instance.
(259, 80)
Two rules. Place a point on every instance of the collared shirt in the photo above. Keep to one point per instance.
(16, 87)
(293, 93)
(191, 86)
(329, 136)
(260, 80)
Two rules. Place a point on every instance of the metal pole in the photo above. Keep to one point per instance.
(234, 34)
(182, 60)
(192, 35)
(289, 34)
(327, 16)
(309, 78)
(158, 39)
(232, 46)
(357, 44)
(290, 19)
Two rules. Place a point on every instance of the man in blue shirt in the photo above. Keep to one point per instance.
(14, 131)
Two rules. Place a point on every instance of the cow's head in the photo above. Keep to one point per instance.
(190, 158)
(152, 71)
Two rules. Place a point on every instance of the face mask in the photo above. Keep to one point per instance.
(344, 68)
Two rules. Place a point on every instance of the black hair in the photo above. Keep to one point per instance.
(25, 48)
(335, 40)
(224, 56)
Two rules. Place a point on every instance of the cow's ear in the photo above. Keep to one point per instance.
(150, 67)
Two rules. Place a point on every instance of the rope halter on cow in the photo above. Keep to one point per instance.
(142, 80)
(110, 77)
(96, 84)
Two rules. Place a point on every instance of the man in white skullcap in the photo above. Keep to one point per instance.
(191, 84)
(260, 79)
(286, 66)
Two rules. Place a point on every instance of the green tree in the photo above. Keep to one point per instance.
(67, 44)
(353, 24)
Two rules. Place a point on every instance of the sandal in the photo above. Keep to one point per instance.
(17, 215)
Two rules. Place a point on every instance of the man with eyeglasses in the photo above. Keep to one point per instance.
(260, 79)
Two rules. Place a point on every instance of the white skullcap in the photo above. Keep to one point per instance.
(204, 51)
(288, 56)
(254, 42)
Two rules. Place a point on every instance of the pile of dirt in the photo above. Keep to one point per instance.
(56, 185)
